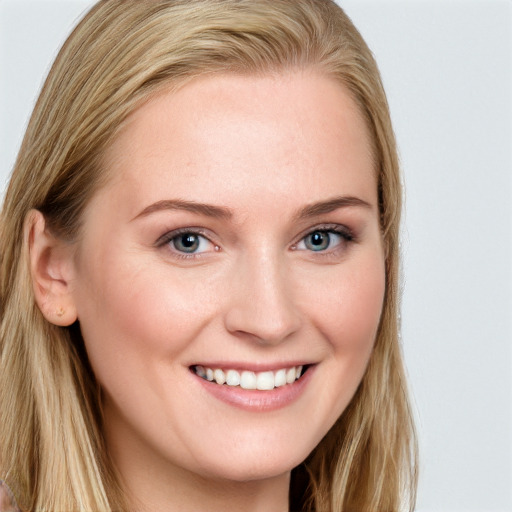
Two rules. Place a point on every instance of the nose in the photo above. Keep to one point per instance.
(262, 306)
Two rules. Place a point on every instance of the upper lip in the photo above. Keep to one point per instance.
(253, 366)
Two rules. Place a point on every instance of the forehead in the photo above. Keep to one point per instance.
(294, 133)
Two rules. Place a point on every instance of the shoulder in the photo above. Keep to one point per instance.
(7, 501)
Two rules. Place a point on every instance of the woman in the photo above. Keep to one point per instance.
(199, 271)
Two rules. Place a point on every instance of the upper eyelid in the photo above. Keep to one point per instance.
(169, 235)
(345, 238)
(164, 242)
(340, 229)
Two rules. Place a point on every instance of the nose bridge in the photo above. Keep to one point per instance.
(262, 305)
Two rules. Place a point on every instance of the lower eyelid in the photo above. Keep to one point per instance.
(202, 241)
(344, 238)
(166, 243)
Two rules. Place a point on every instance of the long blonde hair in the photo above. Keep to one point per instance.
(124, 51)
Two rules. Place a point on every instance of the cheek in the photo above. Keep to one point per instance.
(132, 317)
(138, 319)
(348, 313)
(349, 304)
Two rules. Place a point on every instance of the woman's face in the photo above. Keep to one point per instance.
(238, 236)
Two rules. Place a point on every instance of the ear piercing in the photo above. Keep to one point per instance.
(60, 312)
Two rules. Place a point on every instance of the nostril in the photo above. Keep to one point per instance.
(262, 327)
(262, 308)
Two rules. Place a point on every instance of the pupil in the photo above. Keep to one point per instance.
(319, 240)
(187, 242)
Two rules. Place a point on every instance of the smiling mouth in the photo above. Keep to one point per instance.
(262, 381)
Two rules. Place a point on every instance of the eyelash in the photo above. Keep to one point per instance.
(168, 238)
(345, 233)
(346, 237)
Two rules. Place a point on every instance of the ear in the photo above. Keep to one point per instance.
(52, 270)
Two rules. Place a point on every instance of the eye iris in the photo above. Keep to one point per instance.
(188, 242)
(318, 241)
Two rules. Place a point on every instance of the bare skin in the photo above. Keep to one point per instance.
(281, 266)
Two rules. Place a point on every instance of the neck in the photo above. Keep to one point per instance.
(186, 492)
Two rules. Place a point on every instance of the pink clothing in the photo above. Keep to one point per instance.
(7, 501)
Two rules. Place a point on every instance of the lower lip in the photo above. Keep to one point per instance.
(256, 400)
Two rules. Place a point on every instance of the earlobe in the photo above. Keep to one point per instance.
(51, 269)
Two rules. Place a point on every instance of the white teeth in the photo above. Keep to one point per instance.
(219, 376)
(232, 378)
(291, 375)
(263, 381)
(280, 378)
(248, 380)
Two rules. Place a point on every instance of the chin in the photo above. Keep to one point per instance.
(267, 466)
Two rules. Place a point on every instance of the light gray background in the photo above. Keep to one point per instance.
(447, 68)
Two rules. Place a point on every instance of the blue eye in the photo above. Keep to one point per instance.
(322, 240)
(189, 243)
(318, 241)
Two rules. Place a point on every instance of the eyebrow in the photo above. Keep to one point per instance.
(221, 212)
(331, 205)
(208, 210)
